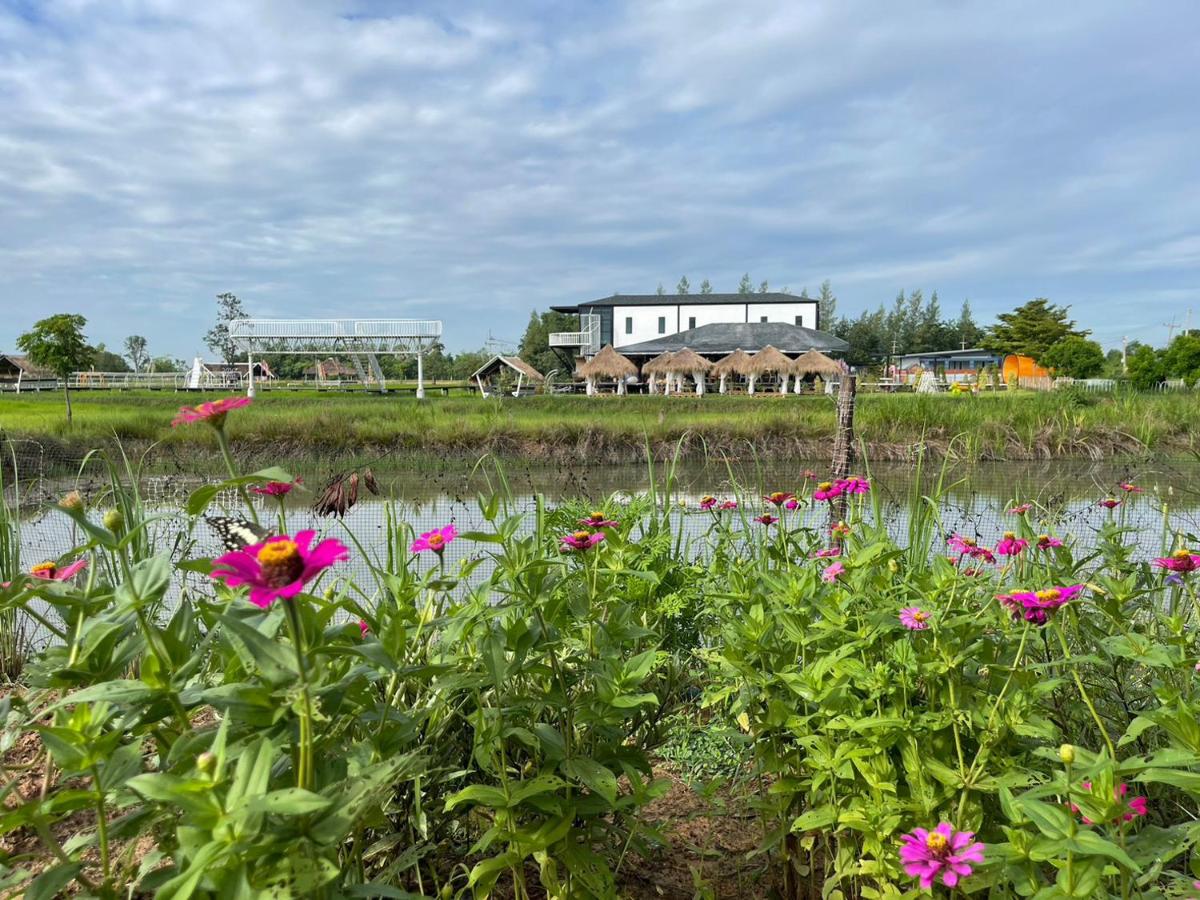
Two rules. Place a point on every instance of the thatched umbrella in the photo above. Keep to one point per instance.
(608, 363)
(656, 367)
(766, 361)
(688, 362)
(736, 363)
(814, 362)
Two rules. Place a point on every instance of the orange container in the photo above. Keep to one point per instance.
(1022, 367)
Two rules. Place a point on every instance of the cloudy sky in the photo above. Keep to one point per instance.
(472, 162)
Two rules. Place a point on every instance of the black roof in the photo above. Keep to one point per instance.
(693, 299)
(721, 338)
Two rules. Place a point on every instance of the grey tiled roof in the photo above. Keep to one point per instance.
(749, 336)
(690, 299)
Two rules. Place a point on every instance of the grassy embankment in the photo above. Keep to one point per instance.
(610, 429)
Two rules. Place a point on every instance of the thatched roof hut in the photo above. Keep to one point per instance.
(769, 360)
(686, 362)
(736, 363)
(608, 364)
(657, 366)
(814, 362)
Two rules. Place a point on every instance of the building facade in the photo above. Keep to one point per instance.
(626, 319)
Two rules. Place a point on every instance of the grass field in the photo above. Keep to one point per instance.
(1018, 426)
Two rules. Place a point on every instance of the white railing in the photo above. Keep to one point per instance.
(261, 330)
(126, 379)
(587, 339)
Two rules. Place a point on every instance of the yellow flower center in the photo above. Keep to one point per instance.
(920, 616)
(1043, 538)
(596, 516)
(436, 540)
(1051, 594)
(936, 841)
(45, 568)
(581, 535)
(1182, 554)
(970, 542)
(280, 563)
(1009, 536)
(824, 485)
(707, 499)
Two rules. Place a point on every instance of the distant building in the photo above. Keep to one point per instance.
(624, 320)
(330, 369)
(955, 365)
(220, 374)
(720, 339)
(16, 369)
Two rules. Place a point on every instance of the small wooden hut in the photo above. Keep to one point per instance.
(687, 362)
(656, 367)
(607, 364)
(769, 361)
(496, 376)
(815, 363)
(736, 363)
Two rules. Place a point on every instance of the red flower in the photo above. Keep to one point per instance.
(779, 498)
(1109, 503)
(213, 412)
(766, 519)
(277, 488)
(579, 540)
(596, 520)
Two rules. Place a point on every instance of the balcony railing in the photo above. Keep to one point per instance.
(587, 339)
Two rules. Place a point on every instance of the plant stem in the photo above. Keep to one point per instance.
(223, 441)
(304, 768)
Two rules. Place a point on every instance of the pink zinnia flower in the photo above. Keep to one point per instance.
(1109, 503)
(279, 567)
(766, 519)
(841, 529)
(778, 498)
(580, 540)
(792, 504)
(810, 475)
(943, 851)
(707, 502)
(277, 488)
(827, 490)
(1046, 542)
(363, 628)
(596, 519)
(854, 485)
(435, 540)
(49, 571)
(1130, 488)
(1036, 606)
(831, 574)
(1021, 509)
(1136, 806)
(914, 618)
(213, 412)
(825, 554)
(1011, 545)
(1179, 561)
(966, 546)
(729, 504)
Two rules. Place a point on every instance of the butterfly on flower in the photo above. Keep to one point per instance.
(237, 533)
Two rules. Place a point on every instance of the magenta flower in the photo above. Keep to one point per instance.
(707, 502)
(854, 485)
(579, 540)
(810, 475)
(277, 488)
(1011, 545)
(792, 504)
(965, 546)
(914, 618)
(841, 529)
(435, 540)
(213, 412)
(1036, 606)
(729, 504)
(1136, 806)
(778, 498)
(1180, 561)
(363, 627)
(825, 554)
(1130, 488)
(943, 851)
(1109, 503)
(596, 519)
(827, 490)
(766, 519)
(49, 571)
(1021, 509)
(831, 574)
(279, 567)
(1046, 542)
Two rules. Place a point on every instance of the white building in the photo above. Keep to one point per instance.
(626, 319)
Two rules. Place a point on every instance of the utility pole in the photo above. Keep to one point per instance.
(1125, 355)
(1170, 326)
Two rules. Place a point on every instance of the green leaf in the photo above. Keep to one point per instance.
(147, 582)
(1052, 821)
(290, 802)
(258, 652)
(632, 701)
(1088, 841)
(122, 692)
(637, 668)
(481, 794)
(199, 500)
(815, 819)
(50, 883)
(594, 775)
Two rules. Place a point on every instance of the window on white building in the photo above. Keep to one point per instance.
(800, 321)
(762, 318)
(662, 324)
(691, 321)
(629, 324)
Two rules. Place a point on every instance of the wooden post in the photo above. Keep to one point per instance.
(843, 444)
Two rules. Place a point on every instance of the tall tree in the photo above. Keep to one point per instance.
(104, 360)
(1074, 357)
(1031, 329)
(229, 307)
(967, 333)
(1182, 358)
(661, 291)
(1146, 369)
(764, 287)
(683, 287)
(535, 343)
(705, 287)
(58, 344)
(135, 350)
(826, 305)
(746, 286)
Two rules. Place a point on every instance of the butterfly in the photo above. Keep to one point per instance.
(236, 533)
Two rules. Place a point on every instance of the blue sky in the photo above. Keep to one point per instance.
(472, 162)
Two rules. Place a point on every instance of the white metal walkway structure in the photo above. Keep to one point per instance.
(355, 338)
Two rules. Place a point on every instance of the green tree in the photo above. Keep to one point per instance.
(705, 287)
(967, 334)
(1031, 330)
(746, 286)
(104, 360)
(1182, 358)
(826, 305)
(229, 307)
(1074, 357)
(535, 343)
(58, 344)
(136, 352)
(764, 287)
(683, 287)
(1146, 370)
(661, 290)
(167, 364)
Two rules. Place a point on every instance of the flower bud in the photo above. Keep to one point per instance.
(72, 502)
(1067, 754)
(893, 566)
(206, 762)
(114, 521)
(329, 593)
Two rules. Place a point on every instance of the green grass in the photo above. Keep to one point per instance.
(279, 426)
